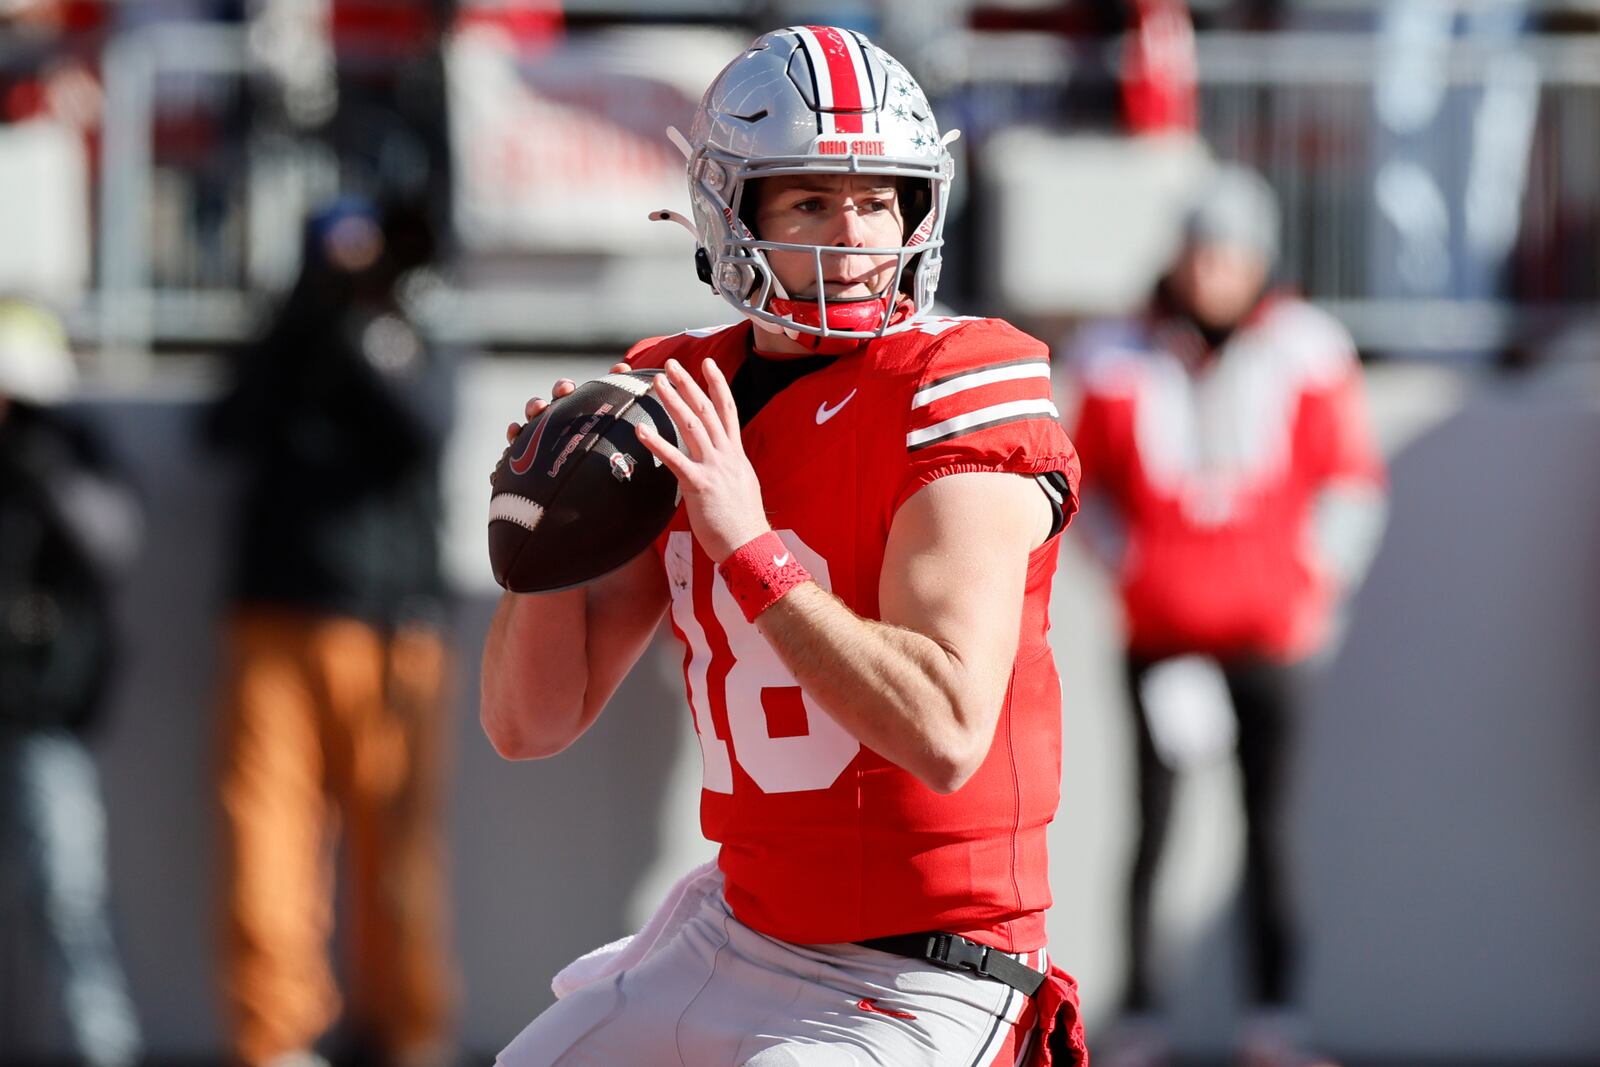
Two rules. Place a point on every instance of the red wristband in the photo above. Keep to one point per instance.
(760, 572)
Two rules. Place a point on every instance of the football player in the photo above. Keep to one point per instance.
(859, 577)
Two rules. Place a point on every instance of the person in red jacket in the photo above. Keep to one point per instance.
(1234, 490)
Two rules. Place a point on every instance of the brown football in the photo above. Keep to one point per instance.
(576, 495)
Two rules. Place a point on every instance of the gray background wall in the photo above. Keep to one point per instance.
(1447, 806)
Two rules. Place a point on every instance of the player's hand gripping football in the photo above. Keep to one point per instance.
(719, 485)
(536, 405)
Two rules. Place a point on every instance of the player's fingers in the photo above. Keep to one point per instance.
(535, 407)
(670, 457)
(722, 398)
(697, 400)
(562, 387)
(512, 431)
(691, 428)
(621, 368)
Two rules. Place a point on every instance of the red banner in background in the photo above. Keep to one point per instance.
(564, 149)
(403, 27)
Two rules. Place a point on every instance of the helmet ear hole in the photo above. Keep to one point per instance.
(908, 276)
(702, 267)
(916, 200)
(750, 203)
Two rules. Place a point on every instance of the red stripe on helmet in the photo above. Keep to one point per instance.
(842, 74)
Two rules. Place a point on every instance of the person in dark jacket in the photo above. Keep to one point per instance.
(337, 671)
(67, 525)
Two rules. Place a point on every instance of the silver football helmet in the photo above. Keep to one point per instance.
(807, 100)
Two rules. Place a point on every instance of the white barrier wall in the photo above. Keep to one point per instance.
(1446, 808)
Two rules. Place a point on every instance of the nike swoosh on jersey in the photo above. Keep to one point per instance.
(824, 412)
(781, 561)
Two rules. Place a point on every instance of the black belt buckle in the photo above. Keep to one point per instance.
(952, 952)
(956, 953)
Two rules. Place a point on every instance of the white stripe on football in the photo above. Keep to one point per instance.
(509, 507)
(627, 382)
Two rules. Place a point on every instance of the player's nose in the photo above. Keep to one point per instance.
(849, 230)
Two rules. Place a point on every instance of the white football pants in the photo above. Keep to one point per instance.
(712, 992)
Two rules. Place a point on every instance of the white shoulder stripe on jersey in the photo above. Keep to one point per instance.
(974, 379)
(509, 507)
(970, 421)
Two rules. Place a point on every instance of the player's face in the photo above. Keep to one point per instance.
(843, 211)
(1220, 283)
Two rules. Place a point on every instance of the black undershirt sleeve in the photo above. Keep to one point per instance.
(1056, 490)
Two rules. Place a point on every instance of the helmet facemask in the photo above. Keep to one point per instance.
(742, 273)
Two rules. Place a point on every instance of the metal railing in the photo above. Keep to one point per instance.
(1299, 106)
(1302, 108)
(218, 269)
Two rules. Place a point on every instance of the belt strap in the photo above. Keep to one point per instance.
(956, 953)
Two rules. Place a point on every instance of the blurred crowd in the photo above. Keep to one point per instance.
(1459, 187)
(1235, 522)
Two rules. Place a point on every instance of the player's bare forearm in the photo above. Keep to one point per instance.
(917, 703)
(530, 699)
(923, 687)
(955, 575)
(552, 660)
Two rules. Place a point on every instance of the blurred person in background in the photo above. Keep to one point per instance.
(68, 525)
(50, 48)
(1133, 65)
(1236, 494)
(334, 717)
(392, 116)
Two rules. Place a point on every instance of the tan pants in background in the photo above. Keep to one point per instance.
(329, 725)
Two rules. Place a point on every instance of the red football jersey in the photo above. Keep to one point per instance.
(823, 840)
